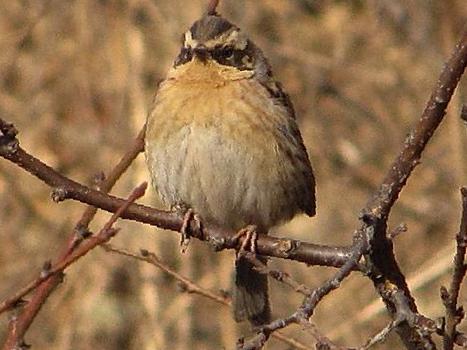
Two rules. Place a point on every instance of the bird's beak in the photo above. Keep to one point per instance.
(201, 52)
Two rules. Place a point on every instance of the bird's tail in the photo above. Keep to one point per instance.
(250, 294)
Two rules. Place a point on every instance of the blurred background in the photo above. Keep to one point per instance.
(77, 77)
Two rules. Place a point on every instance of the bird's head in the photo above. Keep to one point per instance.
(214, 39)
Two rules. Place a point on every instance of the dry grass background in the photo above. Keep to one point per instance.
(76, 78)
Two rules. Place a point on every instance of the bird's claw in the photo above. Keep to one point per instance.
(249, 241)
(186, 230)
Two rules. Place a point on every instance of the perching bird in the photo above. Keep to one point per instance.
(222, 139)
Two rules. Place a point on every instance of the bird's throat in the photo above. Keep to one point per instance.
(208, 71)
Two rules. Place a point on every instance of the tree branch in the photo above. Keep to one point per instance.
(454, 315)
(64, 188)
(29, 310)
(382, 265)
(190, 286)
(19, 325)
(371, 239)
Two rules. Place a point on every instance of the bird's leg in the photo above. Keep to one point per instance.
(249, 241)
(189, 217)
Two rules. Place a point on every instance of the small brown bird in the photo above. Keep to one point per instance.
(222, 139)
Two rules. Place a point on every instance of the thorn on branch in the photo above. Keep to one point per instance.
(288, 246)
(59, 194)
(8, 145)
(99, 180)
(368, 218)
(19, 303)
(397, 231)
(8, 129)
(218, 243)
(182, 287)
(381, 336)
(45, 272)
(82, 232)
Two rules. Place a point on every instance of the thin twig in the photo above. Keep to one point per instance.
(278, 275)
(20, 324)
(112, 178)
(380, 337)
(65, 188)
(212, 7)
(323, 342)
(455, 314)
(80, 231)
(190, 286)
(415, 143)
(306, 309)
(401, 228)
(382, 265)
(28, 311)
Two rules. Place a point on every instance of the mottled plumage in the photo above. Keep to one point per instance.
(222, 139)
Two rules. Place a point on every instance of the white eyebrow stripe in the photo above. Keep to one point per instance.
(233, 38)
(189, 41)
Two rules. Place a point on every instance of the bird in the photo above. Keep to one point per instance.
(222, 139)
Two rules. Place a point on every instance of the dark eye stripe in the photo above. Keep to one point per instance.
(231, 57)
(227, 56)
(221, 54)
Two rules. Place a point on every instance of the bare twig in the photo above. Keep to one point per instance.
(29, 310)
(212, 7)
(65, 188)
(190, 286)
(311, 301)
(112, 178)
(20, 324)
(305, 311)
(381, 263)
(80, 232)
(322, 341)
(382, 266)
(278, 275)
(380, 337)
(455, 314)
(397, 231)
(415, 143)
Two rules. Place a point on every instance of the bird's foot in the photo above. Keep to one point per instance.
(248, 243)
(191, 223)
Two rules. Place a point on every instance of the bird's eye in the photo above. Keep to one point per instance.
(227, 52)
(187, 54)
(223, 53)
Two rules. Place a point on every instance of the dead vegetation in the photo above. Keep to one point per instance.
(76, 78)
